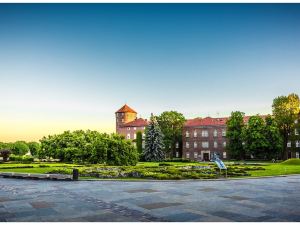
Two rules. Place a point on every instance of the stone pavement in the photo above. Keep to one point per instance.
(265, 199)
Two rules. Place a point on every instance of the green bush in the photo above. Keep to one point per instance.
(13, 157)
(23, 159)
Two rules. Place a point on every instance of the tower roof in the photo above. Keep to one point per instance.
(126, 108)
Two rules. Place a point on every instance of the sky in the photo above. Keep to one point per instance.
(71, 66)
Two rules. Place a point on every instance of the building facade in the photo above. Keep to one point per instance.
(127, 123)
(203, 137)
(293, 145)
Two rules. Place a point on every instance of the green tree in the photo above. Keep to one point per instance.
(154, 143)
(19, 148)
(34, 147)
(89, 146)
(286, 110)
(273, 137)
(235, 125)
(171, 124)
(254, 136)
(139, 142)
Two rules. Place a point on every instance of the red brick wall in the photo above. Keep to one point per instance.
(199, 139)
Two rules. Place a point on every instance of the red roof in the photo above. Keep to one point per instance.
(126, 108)
(208, 121)
(136, 123)
(205, 121)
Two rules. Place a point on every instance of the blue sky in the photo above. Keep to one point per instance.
(71, 66)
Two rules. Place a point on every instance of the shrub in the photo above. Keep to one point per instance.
(27, 159)
(23, 159)
(15, 158)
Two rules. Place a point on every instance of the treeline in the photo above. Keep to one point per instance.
(89, 147)
(265, 138)
(21, 148)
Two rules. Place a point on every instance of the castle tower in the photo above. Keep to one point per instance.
(125, 115)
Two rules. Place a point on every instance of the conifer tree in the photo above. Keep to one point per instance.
(153, 142)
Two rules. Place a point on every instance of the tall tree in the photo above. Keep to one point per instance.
(273, 137)
(171, 123)
(254, 136)
(285, 111)
(154, 143)
(235, 126)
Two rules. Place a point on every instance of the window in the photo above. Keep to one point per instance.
(177, 154)
(296, 132)
(128, 128)
(215, 133)
(297, 155)
(177, 145)
(195, 133)
(134, 128)
(224, 155)
(223, 132)
(297, 144)
(134, 136)
(187, 155)
(205, 144)
(187, 145)
(143, 144)
(215, 144)
(289, 144)
(224, 144)
(187, 134)
(195, 155)
(204, 133)
(128, 136)
(195, 144)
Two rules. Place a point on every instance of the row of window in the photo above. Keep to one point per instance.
(134, 128)
(134, 136)
(289, 144)
(205, 133)
(198, 156)
(204, 144)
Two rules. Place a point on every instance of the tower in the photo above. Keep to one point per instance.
(125, 115)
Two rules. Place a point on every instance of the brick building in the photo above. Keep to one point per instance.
(293, 145)
(127, 123)
(202, 137)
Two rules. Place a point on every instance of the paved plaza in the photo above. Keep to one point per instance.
(265, 199)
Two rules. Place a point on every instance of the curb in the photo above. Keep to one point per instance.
(192, 180)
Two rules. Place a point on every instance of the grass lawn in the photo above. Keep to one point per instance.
(156, 170)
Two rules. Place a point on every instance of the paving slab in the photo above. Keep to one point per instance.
(248, 200)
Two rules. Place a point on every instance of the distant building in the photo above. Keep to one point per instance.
(293, 145)
(203, 137)
(127, 123)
